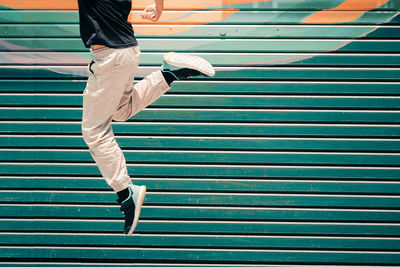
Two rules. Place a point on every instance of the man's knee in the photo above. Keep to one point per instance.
(98, 138)
(121, 116)
(89, 136)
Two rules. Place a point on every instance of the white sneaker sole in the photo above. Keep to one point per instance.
(191, 62)
(138, 208)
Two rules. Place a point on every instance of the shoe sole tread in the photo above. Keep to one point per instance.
(189, 61)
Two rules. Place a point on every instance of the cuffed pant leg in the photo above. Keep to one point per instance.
(110, 77)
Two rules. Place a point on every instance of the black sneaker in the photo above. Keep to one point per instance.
(182, 66)
(132, 206)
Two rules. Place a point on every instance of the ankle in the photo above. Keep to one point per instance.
(123, 195)
(169, 76)
(179, 74)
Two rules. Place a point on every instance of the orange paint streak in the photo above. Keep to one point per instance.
(365, 5)
(160, 30)
(334, 15)
(177, 18)
(40, 4)
(137, 4)
(184, 17)
(193, 4)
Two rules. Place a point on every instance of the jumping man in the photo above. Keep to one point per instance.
(110, 93)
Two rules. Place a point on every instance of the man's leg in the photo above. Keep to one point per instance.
(141, 95)
(134, 99)
(109, 74)
(175, 67)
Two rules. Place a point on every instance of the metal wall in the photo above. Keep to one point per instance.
(289, 156)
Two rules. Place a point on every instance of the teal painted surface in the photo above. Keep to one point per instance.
(204, 45)
(225, 73)
(42, 211)
(219, 158)
(190, 241)
(266, 88)
(201, 255)
(217, 115)
(209, 199)
(199, 171)
(216, 129)
(215, 32)
(218, 185)
(210, 143)
(161, 226)
(288, 156)
(257, 17)
(218, 101)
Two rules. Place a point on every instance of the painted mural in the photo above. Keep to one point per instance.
(229, 33)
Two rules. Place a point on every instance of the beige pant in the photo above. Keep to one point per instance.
(110, 95)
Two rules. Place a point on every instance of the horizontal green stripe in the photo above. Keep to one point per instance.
(199, 213)
(209, 143)
(210, 171)
(212, 157)
(213, 129)
(188, 101)
(241, 18)
(190, 241)
(206, 185)
(217, 59)
(211, 31)
(209, 199)
(52, 263)
(204, 227)
(203, 255)
(265, 73)
(204, 45)
(218, 87)
(207, 115)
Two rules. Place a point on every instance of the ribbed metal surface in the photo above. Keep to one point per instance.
(288, 157)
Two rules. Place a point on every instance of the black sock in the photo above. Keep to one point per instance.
(184, 73)
(122, 195)
(169, 78)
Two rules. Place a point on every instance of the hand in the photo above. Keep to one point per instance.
(151, 12)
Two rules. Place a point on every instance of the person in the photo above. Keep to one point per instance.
(110, 93)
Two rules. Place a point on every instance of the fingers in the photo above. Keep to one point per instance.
(153, 16)
(151, 13)
(150, 8)
(149, 16)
